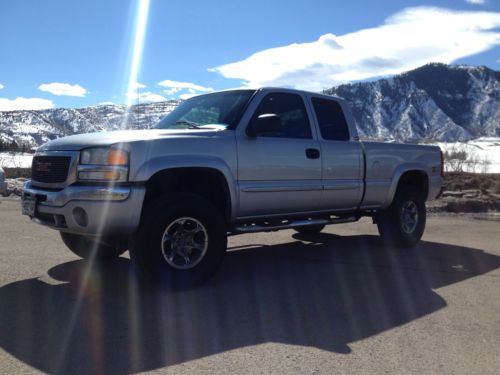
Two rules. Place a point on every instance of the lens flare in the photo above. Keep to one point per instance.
(88, 283)
(138, 46)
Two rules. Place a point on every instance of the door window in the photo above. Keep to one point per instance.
(292, 112)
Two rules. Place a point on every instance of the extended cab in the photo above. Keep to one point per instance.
(225, 163)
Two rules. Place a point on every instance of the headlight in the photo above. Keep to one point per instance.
(103, 164)
(103, 156)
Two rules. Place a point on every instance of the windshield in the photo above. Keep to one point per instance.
(211, 111)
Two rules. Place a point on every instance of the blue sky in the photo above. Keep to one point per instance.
(61, 53)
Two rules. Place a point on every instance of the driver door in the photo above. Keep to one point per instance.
(279, 173)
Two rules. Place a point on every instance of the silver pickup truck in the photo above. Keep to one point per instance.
(226, 163)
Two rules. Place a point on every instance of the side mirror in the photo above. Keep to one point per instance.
(265, 124)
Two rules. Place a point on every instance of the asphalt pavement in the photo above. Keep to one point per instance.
(282, 303)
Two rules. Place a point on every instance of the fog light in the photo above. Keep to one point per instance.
(80, 216)
(99, 175)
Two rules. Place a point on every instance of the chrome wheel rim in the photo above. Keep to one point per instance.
(184, 243)
(409, 217)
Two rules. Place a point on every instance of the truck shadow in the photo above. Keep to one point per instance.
(324, 293)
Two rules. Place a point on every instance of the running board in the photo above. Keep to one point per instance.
(253, 228)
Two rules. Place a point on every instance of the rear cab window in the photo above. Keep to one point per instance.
(331, 119)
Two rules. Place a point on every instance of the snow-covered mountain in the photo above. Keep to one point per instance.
(435, 102)
(37, 127)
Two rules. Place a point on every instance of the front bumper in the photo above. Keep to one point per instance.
(108, 210)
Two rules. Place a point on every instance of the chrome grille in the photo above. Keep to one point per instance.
(50, 169)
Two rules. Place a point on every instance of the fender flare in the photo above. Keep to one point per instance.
(164, 163)
(396, 177)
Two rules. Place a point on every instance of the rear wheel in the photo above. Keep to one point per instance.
(181, 241)
(403, 223)
(89, 248)
(309, 229)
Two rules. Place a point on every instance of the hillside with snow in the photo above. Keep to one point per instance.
(446, 103)
(434, 103)
(37, 127)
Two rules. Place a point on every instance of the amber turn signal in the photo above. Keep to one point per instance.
(117, 157)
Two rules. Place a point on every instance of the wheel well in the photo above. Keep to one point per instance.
(208, 183)
(418, 179)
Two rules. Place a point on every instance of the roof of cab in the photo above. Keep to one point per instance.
(273, 88)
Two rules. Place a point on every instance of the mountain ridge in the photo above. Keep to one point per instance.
(36, 127)
(436, 102)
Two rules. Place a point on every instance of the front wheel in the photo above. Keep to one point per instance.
(88, 248)
(182, 241)
(403, 223)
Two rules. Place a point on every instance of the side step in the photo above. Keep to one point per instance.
(268, 227)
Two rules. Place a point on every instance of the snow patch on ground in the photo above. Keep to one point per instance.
(486, 152)
(15, 160)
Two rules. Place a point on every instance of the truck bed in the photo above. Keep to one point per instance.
(386, 162)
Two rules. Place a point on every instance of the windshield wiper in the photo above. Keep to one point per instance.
(191, 125)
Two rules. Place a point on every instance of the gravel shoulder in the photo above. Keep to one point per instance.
(468, 192)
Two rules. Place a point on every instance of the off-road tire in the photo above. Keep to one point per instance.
(88, 248)
(393, 227)
(146, 245)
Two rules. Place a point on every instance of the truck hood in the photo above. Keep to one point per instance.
(81, 141)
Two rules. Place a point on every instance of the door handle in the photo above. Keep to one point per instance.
(312, 153)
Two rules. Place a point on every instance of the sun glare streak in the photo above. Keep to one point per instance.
(88, 276)
(138, 46)
(82, 281)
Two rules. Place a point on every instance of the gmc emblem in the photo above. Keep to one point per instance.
(43, 167)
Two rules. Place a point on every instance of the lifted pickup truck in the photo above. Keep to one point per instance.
(226, 163)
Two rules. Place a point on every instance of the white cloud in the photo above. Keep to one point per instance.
(182, 90)
(65, 89)
(1, 86)
(24, 104)
(107, 103)
(137, 86)
(478, 2)
(184, 85)
(186, 96)
(172, 91)
(407, 40)
(145, 97)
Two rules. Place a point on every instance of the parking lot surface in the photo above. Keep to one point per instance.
(282, 303)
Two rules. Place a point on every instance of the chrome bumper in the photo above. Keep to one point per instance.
(71, 193)
(110, 210)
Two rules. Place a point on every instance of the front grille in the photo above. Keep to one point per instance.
(50, 169)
